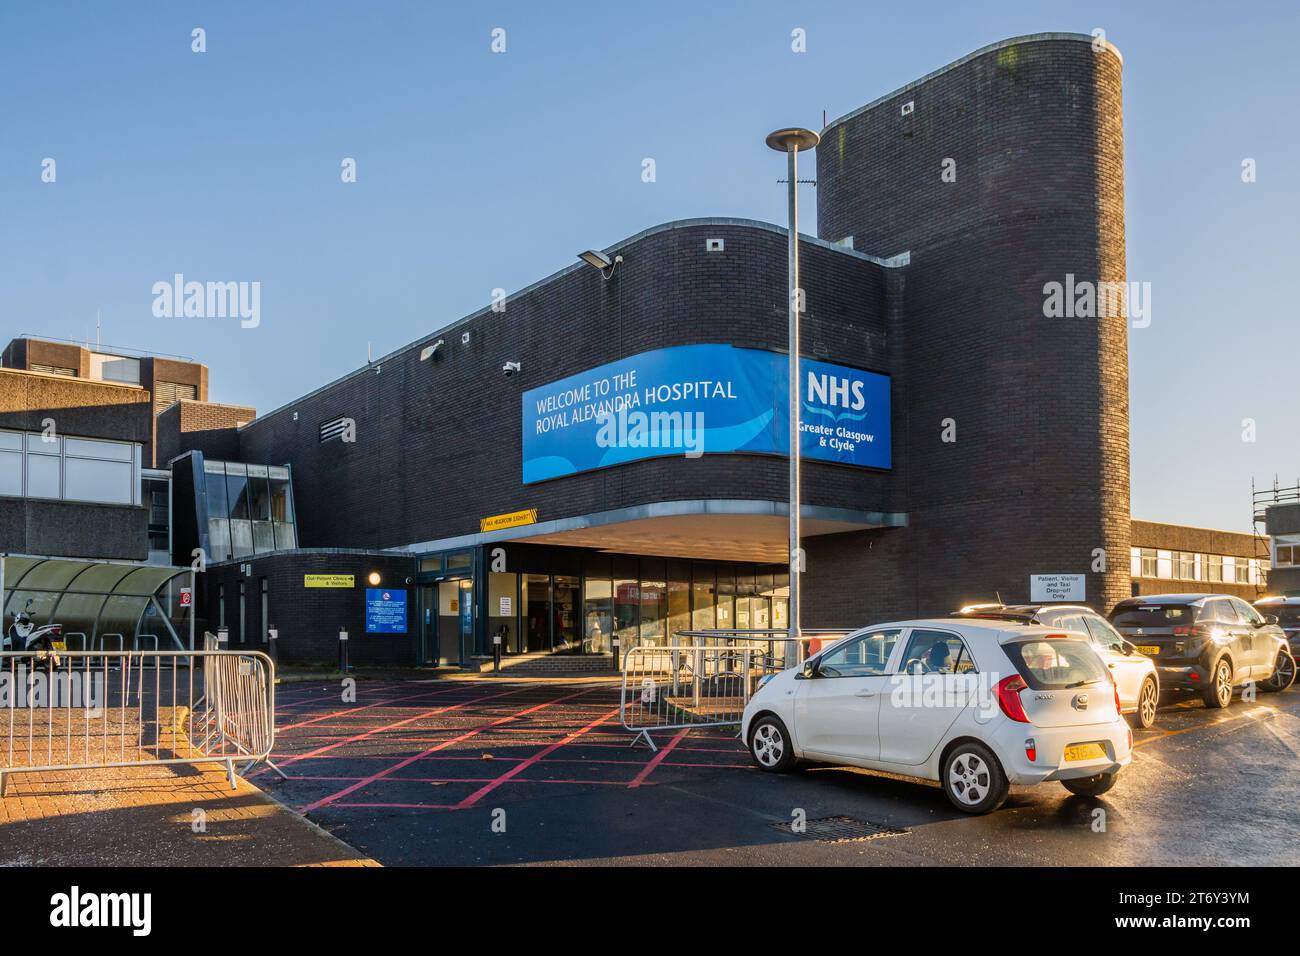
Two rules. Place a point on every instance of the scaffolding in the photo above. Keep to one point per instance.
(1261, 500)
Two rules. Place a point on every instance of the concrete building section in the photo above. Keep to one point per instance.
(1282, 525)
(1038, 471)
(1168, 559)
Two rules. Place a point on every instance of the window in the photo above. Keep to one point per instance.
(1216, 568)
(1149, 562)
(1186, 566)
(1105, 635)
(936, 652)
(1242, 569)
(1135, 562)
(1056, 664)
(1220, 612)
(1065, 620)
(1245, 612)
(598, 615)
(1154, 615)
(864, 656)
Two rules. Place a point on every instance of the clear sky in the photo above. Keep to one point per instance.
(478, 170)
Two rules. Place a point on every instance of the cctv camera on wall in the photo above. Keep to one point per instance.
(510, 368)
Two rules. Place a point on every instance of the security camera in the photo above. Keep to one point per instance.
(509, 368)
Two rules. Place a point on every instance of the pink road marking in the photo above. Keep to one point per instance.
(436, 747)
(381, 703)
(399, 723)
(447, 780)
(657, 759)
(519, 768)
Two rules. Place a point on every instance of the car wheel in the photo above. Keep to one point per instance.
(1219, 694)
(1283, 673)
(1091, 786)
(770, 745)
(973, 779)
(1148, 698)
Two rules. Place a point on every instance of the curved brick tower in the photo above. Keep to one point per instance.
(1038, 476)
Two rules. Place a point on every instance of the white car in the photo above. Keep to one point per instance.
(975, 705)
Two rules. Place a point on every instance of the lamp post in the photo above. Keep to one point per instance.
(790, 141)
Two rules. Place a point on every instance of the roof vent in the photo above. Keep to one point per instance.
(334, 429)
(712, 245)
(906, 109)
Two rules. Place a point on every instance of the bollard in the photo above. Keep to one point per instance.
(496, 652)
(614, 644)
(272, 635)
(343, 650)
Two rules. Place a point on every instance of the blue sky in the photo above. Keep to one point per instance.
(479, 170)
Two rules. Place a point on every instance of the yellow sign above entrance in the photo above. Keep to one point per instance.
(512, 520)
(329, 581)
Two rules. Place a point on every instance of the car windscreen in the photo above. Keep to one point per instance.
(1154, 615)
(1056, 664)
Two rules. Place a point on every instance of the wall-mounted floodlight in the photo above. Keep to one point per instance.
(600, 261)
(430, 350)
(374, 579)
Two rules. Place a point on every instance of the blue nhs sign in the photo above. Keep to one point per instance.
(703, 399)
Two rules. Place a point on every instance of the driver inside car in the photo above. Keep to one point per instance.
(938, 660)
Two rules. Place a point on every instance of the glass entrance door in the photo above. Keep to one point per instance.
(455, 617)
(428, 627)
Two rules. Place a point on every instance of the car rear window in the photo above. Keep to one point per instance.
(1154, 615)
(1286, 613)
(1055, 664)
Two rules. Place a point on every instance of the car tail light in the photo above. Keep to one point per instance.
(1130, 738)
(1118, 707)
(1182, 631)
(1009, 689)
(1194, 676)
(1031, 749)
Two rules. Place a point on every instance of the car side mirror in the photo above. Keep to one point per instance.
(809, 670)
(1270, 619)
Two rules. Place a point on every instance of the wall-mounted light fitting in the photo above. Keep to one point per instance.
(430, 350)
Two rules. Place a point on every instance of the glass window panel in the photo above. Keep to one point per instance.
(281, 497)
(653, 611)
(679, 607)
(459, 560)
(219, 539)
(536, 601)
(93, 448)
(43, 444)
(241, 538)
(77, 613)
(215, 480)
(564, 610)
(237, 492)
(503, 611)
(598, 615)
(11, 473)
(626, 612)
(263, 537)
(88, 479)
(42, 476)
(286, 537)
(40, 607)
(11, 440)
(259, 497)
(704, 601)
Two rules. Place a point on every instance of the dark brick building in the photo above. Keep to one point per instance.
(945, 210)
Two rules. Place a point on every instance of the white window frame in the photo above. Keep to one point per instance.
(33, 443)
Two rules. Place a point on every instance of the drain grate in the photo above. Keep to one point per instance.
(842, 830)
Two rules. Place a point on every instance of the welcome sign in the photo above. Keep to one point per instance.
(703, 399)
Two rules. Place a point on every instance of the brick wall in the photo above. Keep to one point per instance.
(1172, 537)
(1038, 476)
(438, 442)
(308, 619)
(200, 426)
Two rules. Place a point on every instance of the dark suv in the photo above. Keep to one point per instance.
(1208, 643)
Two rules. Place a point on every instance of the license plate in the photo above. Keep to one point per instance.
(1150, 650)
(59, 645)
(1084, 752)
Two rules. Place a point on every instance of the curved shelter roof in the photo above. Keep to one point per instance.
(101, 600)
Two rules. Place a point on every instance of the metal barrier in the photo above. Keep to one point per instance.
(99, 709)
(705, 682)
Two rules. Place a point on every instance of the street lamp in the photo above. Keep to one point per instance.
(790, 141)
